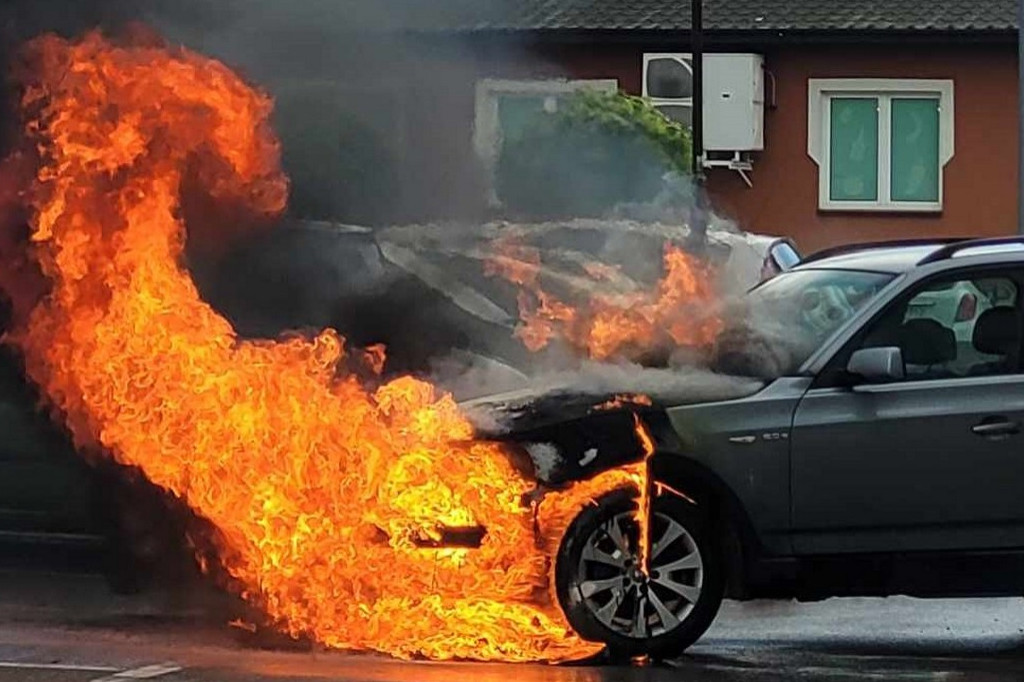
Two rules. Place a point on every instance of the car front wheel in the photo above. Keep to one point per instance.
(609, 597)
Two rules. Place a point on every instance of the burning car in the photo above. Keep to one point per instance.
(310, 274)
(458, 310)
(315, 483)
(612, 502)
(327, 489)
(866, 455)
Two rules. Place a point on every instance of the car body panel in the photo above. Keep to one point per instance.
(746, 443)
(44, 485)
(574, 431)
(897, 466)
(891, 258)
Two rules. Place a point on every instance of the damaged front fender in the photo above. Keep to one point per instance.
(563, 439)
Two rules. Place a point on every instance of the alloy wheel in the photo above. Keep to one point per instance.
(627, 599)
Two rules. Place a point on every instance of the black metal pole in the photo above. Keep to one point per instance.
(697, 50)
(699, 220)
(1020, 116)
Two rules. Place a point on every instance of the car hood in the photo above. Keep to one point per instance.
(570, 429)
(312, 274)
(599, 390)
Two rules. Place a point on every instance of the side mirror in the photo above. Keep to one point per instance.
(785, 255)
(877, 365)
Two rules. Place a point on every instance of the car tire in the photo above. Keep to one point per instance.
(606, 597)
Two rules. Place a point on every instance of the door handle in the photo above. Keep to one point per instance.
(996, 429)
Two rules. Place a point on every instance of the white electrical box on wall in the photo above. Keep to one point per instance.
(733, 102)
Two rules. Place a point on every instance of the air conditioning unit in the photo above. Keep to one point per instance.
(733, 99)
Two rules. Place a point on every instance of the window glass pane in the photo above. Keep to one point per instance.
(956, 328)
(670, 78)
(915, 149)
(680, 113)
(854, 149)
(517, 112)
(801, 309)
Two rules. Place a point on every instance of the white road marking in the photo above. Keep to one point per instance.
(116, 674)
(144, 673)
(28, 665)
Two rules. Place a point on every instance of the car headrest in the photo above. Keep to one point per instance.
(998, 331)
(927, 342)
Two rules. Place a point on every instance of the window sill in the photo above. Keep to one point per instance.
(916, 209)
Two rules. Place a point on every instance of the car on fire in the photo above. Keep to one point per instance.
(860, 436)
(60, 509)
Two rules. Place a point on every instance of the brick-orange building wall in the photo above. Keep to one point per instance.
(980, 195)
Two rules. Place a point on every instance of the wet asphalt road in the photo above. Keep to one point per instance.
(70, 629)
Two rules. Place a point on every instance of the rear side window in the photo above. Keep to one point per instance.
(967, 326)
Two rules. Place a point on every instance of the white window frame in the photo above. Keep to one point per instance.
(487, 125)
(819, 112)
(685, 59)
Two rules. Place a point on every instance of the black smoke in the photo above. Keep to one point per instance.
(374, 108)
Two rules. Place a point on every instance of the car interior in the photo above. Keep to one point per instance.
(988, 343)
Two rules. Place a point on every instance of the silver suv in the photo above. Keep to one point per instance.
(882, 455)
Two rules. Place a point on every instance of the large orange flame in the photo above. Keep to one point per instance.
(643, 515)
(677, 311)
(321, 489)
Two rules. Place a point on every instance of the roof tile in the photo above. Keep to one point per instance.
(742, 15)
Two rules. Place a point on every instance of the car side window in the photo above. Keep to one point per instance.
(966, 326)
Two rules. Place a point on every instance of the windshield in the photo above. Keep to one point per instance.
(782, 322)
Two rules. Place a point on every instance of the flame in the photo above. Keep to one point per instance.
(620, 401)
(677, 311)
(643, 513)
(374, 358)
(544, 317)
(321, 489)
(243, 625)
(556, 512)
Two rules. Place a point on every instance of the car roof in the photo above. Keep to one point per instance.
(897, 257)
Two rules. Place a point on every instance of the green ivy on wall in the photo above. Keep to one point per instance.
(596, 151)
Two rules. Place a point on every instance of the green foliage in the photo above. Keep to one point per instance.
(622, 114)
(597, 151)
